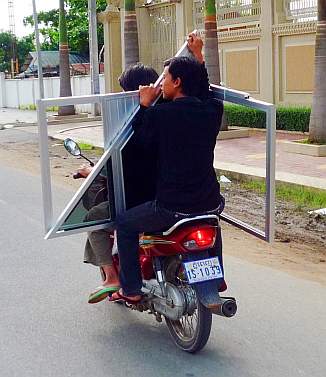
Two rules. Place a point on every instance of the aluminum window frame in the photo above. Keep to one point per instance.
(114, 144)
(243, 98)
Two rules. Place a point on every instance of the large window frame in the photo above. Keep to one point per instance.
(115, 138)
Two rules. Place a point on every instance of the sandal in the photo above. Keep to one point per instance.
(101, 293)
(118, 296)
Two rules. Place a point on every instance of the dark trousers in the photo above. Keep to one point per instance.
(147, 217)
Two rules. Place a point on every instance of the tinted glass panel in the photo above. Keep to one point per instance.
(97, 204)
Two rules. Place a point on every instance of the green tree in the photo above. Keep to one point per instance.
(77, 26)
(317, 126)
(5, 50)
(24, 46)
(131, 47)
(65, 84)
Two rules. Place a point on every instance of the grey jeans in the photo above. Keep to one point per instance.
(98, 248)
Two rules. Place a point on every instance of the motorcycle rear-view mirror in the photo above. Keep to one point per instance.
(72, 147)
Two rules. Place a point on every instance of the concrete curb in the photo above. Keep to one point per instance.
(306, 149)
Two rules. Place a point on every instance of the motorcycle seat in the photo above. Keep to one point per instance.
(206, 219)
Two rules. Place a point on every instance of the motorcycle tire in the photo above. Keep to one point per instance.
(196, 338)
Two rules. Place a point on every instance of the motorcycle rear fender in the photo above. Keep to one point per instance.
(207, 292)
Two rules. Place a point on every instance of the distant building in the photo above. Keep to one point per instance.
(79, 64)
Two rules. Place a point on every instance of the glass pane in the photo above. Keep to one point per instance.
(97, 204)
(117, 110)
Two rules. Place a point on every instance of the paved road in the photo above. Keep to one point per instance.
(48, 329)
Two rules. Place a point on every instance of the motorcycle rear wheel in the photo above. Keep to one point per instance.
(192, 331)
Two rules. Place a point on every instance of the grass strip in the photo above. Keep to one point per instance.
(300, 195)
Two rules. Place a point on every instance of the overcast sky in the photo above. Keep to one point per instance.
(23, 8)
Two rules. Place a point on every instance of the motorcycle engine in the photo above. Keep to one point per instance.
(178, 302)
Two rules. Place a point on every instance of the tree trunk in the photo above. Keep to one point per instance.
(131, 47)
(317, 126)
(211, 48)
(65, 85)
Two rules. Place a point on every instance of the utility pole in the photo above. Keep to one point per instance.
(14, 60)
(93, 53)
(38, 50)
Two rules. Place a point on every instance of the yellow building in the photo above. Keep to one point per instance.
(266, 47)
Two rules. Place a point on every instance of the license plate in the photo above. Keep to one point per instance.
(203, 270)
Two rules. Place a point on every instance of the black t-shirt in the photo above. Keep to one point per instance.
(183, 132)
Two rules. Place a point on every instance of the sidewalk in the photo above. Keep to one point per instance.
(247, 156)
(244, 155)
(16, 116)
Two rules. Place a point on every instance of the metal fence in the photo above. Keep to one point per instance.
(242, 11)
(163, 33)
(228, 12)
(301, 10)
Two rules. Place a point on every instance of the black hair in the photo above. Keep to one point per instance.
(135, 75)
(189, 72)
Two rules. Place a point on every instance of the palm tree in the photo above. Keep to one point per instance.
(131, 47)
(211, 48)
(317, 126)
(65, 85)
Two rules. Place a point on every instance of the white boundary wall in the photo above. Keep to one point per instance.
(15, 93)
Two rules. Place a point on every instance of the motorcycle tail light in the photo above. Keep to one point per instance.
(200, 239)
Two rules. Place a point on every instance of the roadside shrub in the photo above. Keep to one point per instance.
(293, 118)
(27, 107)
(289, 118)
(52, 108)
(237, 115)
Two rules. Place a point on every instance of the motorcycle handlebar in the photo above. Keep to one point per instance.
(77, 176)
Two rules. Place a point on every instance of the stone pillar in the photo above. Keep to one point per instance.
(188, 16)
(2, 90)
(144, 34)
(180, 24)
(279, 12)
(279, 18)
(110, 19)
(266, 51)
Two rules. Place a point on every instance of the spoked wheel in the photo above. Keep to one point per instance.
(192, 330)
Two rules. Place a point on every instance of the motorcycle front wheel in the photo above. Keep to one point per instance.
(192, 330)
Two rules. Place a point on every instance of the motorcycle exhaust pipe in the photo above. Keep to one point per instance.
(226, 308)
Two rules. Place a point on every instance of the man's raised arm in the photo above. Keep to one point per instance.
(195, 45)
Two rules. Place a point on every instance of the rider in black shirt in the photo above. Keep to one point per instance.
(183, 132)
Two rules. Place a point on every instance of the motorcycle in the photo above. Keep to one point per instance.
(183, 274)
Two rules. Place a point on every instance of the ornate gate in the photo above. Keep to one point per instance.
(163, 33)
